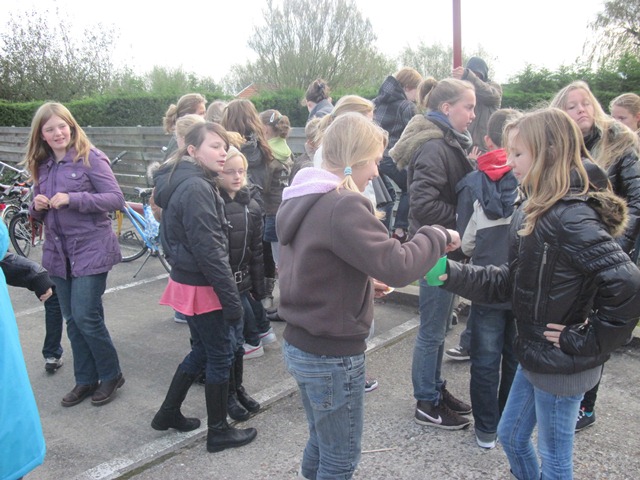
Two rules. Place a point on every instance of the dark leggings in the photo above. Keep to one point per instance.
(589, 399)
(269, 263)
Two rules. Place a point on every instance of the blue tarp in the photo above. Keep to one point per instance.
(22, 445)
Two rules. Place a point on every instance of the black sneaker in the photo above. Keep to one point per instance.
(585, 419)
(457, 406)
(439, 416)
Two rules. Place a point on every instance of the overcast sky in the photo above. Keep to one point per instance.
(207, 37)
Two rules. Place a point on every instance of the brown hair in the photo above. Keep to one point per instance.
(241, 116)
(317, 91)
(278, 122)
(408, 78)
(188, 103)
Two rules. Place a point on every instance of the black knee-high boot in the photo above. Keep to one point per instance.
(220, 434)
(235, 408)
(245, 400)
(169, 415)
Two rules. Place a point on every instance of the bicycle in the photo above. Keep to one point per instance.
(139, 233)
(14, 193)
(137, 230)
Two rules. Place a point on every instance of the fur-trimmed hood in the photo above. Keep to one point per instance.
(418, 131)
(612, 210)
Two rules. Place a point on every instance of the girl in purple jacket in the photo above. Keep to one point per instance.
(74, 191)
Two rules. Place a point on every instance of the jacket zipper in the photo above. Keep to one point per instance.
(540, 276)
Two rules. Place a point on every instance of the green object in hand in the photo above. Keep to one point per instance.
(438, 269)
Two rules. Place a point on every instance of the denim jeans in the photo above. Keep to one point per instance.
(493, 364)
(255, 319)
(436, 306)
(212, 346)
(332, 392)
(556, 419)
(465, 336)
(53, 321)
(94, 355)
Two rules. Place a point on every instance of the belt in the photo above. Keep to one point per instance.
(240, 275)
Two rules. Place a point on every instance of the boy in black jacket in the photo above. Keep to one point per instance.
(22, 272)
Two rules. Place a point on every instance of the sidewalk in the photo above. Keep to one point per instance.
(116, 441)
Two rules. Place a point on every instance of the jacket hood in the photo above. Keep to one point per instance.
(418, 131)
(390, 91)
(494, 164)
(612, 209)
(497, 198)
(280, 149)
(167, 179)
(308, 186)
(479, 66)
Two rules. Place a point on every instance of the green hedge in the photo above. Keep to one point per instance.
(148, 110)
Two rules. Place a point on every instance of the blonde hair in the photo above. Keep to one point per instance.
(38, 150)
(424, 88)
(556, 146)
(312, 132)
(234, 152)
(348, 103)
(408, 78)
(351, 141)
(183, 124)
(448, 90)
(628, 101)
(615, 139)
(187, 104)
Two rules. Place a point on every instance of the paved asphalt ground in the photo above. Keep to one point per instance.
(116, 440)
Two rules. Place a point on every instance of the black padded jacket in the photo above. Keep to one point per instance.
(568, 270)
(193, 231)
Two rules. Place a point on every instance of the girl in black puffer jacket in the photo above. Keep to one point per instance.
(615, 148)
(574, 292)
(244, 218)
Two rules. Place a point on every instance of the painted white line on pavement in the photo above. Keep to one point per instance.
(117, 288)
(175, 440)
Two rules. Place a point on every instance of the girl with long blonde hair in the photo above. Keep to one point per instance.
(574, 292)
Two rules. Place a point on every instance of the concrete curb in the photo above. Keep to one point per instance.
(167, 446)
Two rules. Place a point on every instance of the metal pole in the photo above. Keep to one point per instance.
(457, 36)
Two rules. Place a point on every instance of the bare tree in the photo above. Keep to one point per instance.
(437, 60)
(306, 39)
(617, 32)
(42, 59)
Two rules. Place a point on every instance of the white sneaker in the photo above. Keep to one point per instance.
(51, 364)
(179, 319)
(268, 337)
(488, 445)
(251, 351)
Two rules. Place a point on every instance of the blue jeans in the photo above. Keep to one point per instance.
(493, 364)
(53, 321)
(332, 392)
(212, 346)
(94, 356)
(556, 419)
(436, 306)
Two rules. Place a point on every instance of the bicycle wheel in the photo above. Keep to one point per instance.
(132, 245)
(9, 212)
(26, 235)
